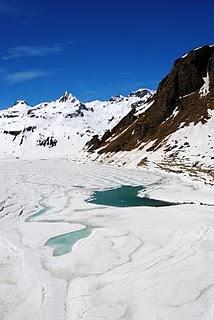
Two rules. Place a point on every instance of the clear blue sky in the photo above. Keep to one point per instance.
(94, 49)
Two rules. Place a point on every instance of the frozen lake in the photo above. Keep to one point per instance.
(63, 244)
(125, 196)
(89, 242)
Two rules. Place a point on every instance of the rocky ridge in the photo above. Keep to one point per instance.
(60, 128)
(176, 130)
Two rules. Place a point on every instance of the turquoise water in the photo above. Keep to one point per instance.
(125, 196)
(39, 213)
(63, 244)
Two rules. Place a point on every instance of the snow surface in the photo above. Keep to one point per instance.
(191, 146)
(186, 54)
(60, 128)
(138, 263)
(205, 89)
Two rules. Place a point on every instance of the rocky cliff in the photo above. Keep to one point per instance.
(178, 123)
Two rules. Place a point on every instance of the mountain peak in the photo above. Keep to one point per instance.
(141, 93)
(197, 49)
(19, 105)
(116, 98)
(176, 128)
(67, 96)
(20, 102)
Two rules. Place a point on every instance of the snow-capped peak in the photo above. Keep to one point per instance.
(67, 96)
(117, 98)
(59, 128)
(19, 106)
(141, 92)
(20, 103)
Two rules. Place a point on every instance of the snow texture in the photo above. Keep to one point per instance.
(60, 128)
(141, 263)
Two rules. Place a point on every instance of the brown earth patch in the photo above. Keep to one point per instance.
(177, 103)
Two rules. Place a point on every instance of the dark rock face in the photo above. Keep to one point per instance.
(191, 70)
(185, 78)
(30, 128)
(211, 71)
(93, 144)
(10, 116)
(13, 133)
(49, 142)
(75, 114)
(179, 91)
(140, 93)
(117, 98)
(78, 112)
(67, 96)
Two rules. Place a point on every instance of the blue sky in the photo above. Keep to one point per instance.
(94, 49)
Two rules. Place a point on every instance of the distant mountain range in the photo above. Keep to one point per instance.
(172, 128)
(61, 128)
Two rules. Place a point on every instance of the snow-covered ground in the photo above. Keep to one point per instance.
(137, 263)
(62, 127)
(189, 148)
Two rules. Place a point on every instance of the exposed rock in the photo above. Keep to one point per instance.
(67, 96)
(93, 144)
(13, 132)
(140, 93)
(49, 141)
(176, 102)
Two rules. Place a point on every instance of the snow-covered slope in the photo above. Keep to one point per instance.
(174, 130)
(152, 263)
(60, 128)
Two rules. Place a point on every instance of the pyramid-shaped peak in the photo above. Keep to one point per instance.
(19, 105)
(67, 96)
(20, 102)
